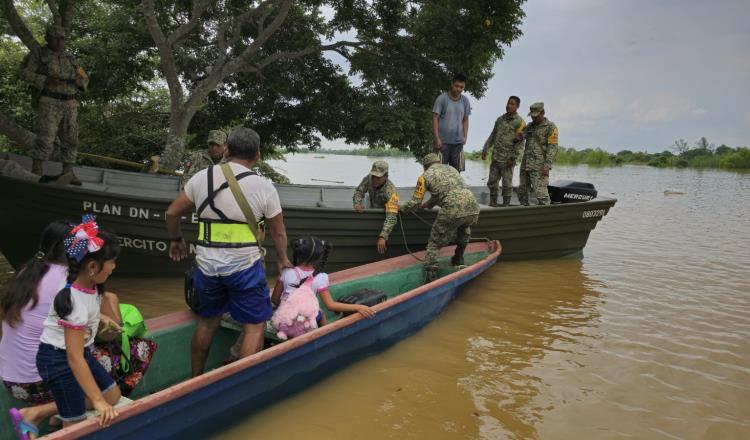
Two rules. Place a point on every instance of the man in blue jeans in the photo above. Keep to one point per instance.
(450, 122)
(230, 276)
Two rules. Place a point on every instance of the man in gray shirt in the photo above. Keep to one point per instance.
(450, 122)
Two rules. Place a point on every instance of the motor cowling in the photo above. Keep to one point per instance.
(570, 191)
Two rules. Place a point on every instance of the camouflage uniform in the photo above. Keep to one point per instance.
(57, 108)
(195, 161)
(541, 149)
(505, 146)
(385, 197)
(459, 209)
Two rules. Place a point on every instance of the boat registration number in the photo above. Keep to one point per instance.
(594, 213)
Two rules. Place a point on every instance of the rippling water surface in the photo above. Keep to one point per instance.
(646, 337)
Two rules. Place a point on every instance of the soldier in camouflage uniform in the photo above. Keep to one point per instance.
(56, 77)
(195, 161)
(383, 195)
(506, 143)
(459, 210)
(541, 149)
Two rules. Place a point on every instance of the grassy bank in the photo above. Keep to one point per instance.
(369, 152)
(699, 157)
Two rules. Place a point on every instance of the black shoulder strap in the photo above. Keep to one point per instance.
(212, 194)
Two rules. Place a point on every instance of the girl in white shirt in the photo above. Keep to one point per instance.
(309, 256)
(64, 359)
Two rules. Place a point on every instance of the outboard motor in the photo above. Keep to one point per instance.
(569, 191)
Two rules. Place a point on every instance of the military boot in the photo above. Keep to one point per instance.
(493, 198)
(68, 169)
(506, 200)
(61, 180)
(430, 274)
(458, 256)
(36, 167)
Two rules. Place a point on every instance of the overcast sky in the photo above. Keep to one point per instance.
(628, 74)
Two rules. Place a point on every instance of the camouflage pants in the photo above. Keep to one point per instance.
(55, 117)
(448, 230)
(500, 170)
(533, 180)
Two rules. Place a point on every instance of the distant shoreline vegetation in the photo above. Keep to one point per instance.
(681, 155)
(370, 152)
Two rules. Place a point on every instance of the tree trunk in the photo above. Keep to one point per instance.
(24, 138)
(174, 149)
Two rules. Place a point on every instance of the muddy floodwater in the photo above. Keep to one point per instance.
(646, 337)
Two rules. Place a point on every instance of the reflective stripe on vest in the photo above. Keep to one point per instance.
(224, 232)
(218, 233)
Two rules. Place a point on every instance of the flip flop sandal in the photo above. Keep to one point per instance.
(23, 428)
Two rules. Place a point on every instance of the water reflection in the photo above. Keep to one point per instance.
(541, 321)
(471, 373)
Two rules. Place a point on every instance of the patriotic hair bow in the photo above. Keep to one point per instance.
(83, 239)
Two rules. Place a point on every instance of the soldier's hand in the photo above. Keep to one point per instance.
(438, 145)
(79, 82)
(359, 208)
(177, 250)
(381, 245)
(510, 163)
(519, 137)
(545, 171)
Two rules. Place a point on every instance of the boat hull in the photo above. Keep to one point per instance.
(526, 232)
(133, 204)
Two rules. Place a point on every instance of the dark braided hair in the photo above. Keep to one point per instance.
(22, 290)
(110, 250)
(312, 251)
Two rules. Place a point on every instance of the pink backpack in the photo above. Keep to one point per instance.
(298, 312)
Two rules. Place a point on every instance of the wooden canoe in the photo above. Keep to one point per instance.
(171, 405)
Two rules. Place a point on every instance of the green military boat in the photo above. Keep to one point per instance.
(132, 205)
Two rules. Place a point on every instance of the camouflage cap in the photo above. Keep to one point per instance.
(379, 168)
(55, 31)
(217, 137)
(430, 159)
(536, 108)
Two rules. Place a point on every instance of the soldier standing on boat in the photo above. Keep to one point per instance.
(229, 273)
(383, 195)
(541, 149)
(459, 210)
(200, 159)
(450, 122)
(56, 77)
(505, 144)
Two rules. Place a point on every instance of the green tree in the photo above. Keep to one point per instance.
(391, 47)
(267, 64)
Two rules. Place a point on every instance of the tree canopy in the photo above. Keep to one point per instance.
(165, 72)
